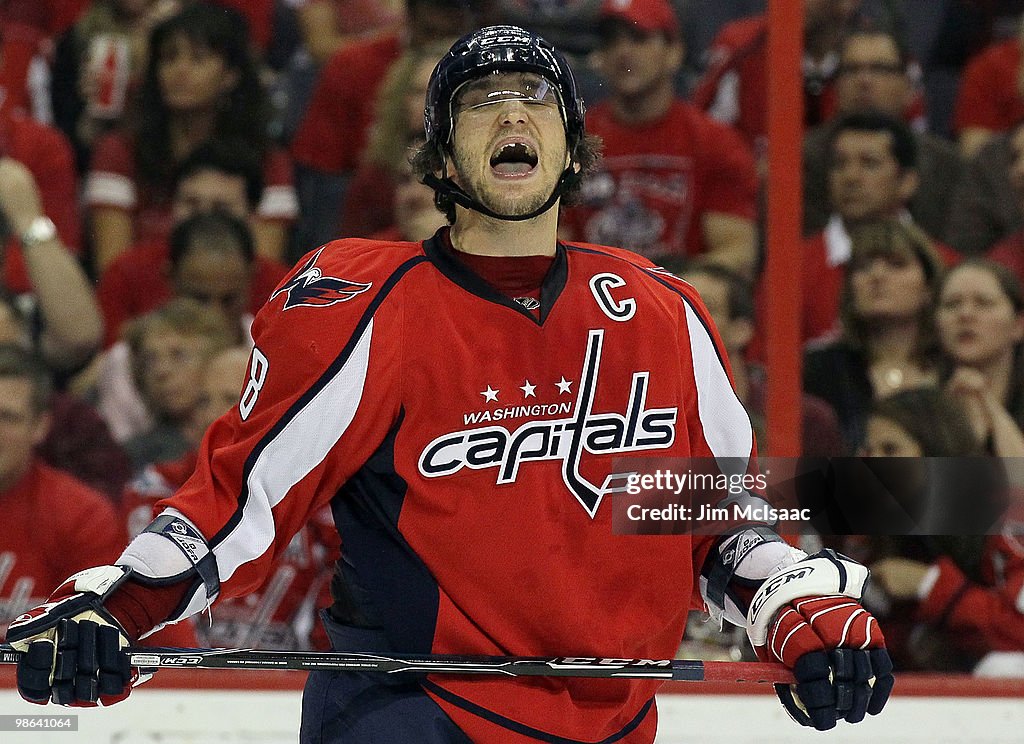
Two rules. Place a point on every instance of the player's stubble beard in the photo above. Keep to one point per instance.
(493, 197)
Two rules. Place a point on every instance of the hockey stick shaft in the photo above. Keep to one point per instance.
(684, 670)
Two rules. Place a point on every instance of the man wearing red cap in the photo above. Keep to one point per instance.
(673, 182)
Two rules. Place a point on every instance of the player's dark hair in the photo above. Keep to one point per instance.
(231, 158)
(24, 364)
(904, 146)
(242, 114)
(430, 158)
(219, 231)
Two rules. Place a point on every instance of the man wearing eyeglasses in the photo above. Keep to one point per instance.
(875, 75)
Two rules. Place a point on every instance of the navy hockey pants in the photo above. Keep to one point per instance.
(367, 707)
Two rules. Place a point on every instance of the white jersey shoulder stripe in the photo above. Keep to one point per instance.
(293, 454)
(725, 423)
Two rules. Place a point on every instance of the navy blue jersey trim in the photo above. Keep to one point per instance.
(522, 728)
(311, 392)
(448, 264)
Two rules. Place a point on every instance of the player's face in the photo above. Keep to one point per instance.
(509, 146)
(192, 77)
(886, 438)
(888, 286)
(216, 276)
(976, 321)
(21, 429)
(871, 77)
(636, 64)
(207, 191)
(865, 179)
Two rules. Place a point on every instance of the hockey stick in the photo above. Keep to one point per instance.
(684, 670)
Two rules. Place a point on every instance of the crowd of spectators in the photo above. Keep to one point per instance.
(162, 163)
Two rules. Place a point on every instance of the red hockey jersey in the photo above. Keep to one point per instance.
(467, 448)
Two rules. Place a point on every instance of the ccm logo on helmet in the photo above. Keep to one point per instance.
(620, 310)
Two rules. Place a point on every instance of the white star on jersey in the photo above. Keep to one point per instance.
(490, 395)
(528, 390)
(564, 385)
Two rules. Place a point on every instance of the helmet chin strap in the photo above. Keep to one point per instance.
(459, 196)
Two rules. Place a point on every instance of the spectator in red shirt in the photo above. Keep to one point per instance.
(329, 142)
(201, 84)
(24, 71)
(672, 181)
(991, 95)
(51, 522)
(217, 177)
(47, 155)
(78, 440)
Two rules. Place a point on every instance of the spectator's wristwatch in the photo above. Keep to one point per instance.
(40, 230)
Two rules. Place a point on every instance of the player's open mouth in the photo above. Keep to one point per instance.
(514, 159)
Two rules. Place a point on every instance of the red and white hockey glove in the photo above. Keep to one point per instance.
(72, 644)
(809, 617)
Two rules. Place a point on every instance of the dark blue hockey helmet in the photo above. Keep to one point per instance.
(499, 49)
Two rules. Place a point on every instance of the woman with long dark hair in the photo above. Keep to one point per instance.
(200, 84)
(888, 341)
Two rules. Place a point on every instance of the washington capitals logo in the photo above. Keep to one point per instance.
(310, 288)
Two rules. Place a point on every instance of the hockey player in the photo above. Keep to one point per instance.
(460, 403)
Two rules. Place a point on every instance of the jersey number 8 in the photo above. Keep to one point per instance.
(257, 376)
